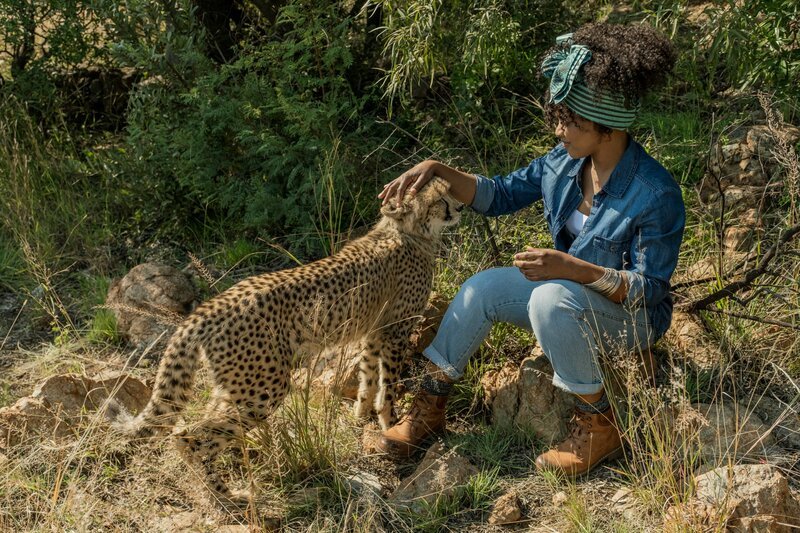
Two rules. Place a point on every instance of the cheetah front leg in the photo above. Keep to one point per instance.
(391, 363)
(367, 378)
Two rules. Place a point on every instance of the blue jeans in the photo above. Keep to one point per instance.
(572, 324)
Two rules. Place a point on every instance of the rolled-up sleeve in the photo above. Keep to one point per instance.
(505, 194)
(655, 247)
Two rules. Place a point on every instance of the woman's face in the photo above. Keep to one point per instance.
(580, 138)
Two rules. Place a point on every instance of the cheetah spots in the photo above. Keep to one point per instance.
(251, 332)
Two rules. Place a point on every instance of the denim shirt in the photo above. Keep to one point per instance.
(635, 224)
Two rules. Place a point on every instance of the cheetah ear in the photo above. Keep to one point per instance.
(441, 185)
(433, 190)
(392, 211)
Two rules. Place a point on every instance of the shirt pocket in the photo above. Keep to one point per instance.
(611, 253)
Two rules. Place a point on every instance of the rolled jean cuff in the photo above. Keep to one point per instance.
(436, 358)
(576, 388)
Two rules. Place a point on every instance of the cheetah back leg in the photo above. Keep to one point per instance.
(201, 444)
(225, 422)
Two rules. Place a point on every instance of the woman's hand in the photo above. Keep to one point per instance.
(412, 180)
(541, 264)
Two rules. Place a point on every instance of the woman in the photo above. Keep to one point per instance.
(617, 219)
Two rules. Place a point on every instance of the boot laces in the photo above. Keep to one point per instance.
(581, 423)
(415, 410)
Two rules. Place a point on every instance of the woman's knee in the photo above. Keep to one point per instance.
(482, 288)
(556, 303)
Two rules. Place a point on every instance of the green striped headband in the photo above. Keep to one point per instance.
(567, 85)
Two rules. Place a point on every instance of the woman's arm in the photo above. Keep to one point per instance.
(655, 248)
(492, 197)
(540, 264)
(462, 185)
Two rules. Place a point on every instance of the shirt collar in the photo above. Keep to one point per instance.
(622, 175)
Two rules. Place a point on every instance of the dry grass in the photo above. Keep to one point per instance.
(92, 480)
(299, 466)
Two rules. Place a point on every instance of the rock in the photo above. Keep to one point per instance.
(560, 498)
(704, 268)
(72, 393)
(156, 291)
(56, 404)
(622, 496)
(525, 398)
(698, 15)
(440, 474)
(506, 510)
(731, 431)
(738, 238)
(760, 141)
(784, 420)
(744, 498)
(745, 167)
(334, 370)
(751, 218)
(26, 416)
(722, 432)
(364, 483)
(691, 339)
(424, 333)
(708, 267)
(624, 502)
(714, 434)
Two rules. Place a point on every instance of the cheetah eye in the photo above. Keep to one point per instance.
(447, 215)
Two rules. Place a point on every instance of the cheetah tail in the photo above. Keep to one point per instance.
(170, 393)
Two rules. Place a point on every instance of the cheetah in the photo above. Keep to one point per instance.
(372, 292)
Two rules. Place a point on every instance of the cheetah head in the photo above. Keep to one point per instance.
(427, 213)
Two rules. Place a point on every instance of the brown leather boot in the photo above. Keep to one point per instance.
(593, 439)
(425, 418)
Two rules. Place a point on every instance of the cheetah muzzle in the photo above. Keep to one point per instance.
(372, 292)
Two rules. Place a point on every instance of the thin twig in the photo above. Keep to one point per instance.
(159, 313)
(716, 174)
(693, 282)
(753, 318)
(14, 323)
(492, 241)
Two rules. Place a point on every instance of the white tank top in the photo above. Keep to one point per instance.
(575, 222)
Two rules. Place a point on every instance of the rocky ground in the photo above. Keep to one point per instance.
(745, 452)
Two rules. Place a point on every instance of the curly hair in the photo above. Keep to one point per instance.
(628, 60)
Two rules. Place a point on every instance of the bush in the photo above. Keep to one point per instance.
(42, 38)
(245, 144)
(755, 45)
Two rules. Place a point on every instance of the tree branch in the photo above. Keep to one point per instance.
(749, 277)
